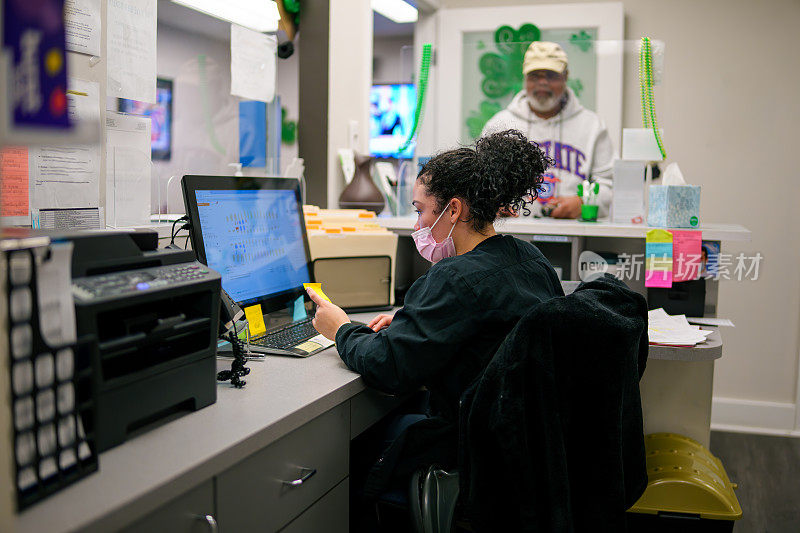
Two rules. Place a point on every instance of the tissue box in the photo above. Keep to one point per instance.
(674, 206)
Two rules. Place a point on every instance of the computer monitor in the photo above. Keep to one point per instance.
(251, 231)
(160, 114)
(392, 108)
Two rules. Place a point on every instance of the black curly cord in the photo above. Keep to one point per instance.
(237, 365)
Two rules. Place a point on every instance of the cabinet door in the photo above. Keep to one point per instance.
(330, 514)
(191, 512)
(265, 491)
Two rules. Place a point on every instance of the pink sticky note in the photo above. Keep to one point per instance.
(14, 181)
(658, 278)
(686, 254)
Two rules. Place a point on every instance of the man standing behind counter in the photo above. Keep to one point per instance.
(548, 112)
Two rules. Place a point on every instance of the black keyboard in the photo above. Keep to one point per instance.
(288, 336)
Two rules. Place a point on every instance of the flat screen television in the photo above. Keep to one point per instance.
(391, 108)
(160, 115)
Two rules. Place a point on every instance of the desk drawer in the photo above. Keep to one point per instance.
(330, 514)
(254, 495)
(184, 514)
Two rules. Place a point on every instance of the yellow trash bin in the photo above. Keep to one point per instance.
(687, 489)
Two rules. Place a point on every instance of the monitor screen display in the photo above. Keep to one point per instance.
(391, 118)
(254, 239)
(160, 115)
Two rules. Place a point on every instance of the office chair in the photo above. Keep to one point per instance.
(432, 499)
(580, 492)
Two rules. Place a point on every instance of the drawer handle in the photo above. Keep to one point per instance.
(305, 477)
(210, 521)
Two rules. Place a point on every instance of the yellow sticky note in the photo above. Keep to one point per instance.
(255, 319)
(318, 289)
(658, 235)
(308, 346)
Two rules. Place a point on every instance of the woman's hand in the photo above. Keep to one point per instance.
(379, 322)
(567, 207)
(329, 317)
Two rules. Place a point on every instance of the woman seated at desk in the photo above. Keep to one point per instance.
(458, 313)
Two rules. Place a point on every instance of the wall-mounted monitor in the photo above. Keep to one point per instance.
(160, 115)
(391, 108)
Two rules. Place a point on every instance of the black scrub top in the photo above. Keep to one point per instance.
(454, 319)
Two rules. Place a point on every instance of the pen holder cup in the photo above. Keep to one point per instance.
(589, 213)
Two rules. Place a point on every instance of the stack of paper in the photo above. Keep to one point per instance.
(667, 330)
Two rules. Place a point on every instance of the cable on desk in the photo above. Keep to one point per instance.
(237, 365)
(185, 226)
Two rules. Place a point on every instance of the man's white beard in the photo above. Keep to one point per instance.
(544, 105)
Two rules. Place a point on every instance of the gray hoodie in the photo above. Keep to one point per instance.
(576, 138)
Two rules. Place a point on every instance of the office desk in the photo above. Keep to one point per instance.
(228, 460)
(317, 401)
(677, 389)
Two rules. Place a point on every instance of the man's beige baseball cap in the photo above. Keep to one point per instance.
(544, 55)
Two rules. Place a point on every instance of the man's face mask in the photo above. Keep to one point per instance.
(428, 247)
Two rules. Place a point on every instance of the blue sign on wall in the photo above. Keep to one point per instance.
(253, 134)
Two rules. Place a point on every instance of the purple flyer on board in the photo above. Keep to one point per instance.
(33, 35)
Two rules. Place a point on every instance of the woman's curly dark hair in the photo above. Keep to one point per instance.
(501, 171)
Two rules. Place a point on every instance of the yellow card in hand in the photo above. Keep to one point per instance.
(318, 289)
(255, 319)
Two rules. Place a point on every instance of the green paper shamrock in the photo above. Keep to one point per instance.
(503, 71)
(582, 40)
(576, 85)
(478, 119)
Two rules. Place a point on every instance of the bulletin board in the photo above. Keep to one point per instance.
(110, 52)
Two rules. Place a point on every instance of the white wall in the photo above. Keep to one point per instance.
(729, 107)
(392, 59)
(349, 81)
(286, 87)
(192, 149)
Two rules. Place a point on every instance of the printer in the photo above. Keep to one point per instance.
(155, 316)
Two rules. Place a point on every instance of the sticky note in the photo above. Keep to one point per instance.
(687, 255)
(658, 235)
(658, 259)
(299, 311)
(308, 346)
(255, 320)
(318, 289)
(14, 181)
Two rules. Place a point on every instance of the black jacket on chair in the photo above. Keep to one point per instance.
(551, 433)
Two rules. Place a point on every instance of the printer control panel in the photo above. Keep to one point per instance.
(133, 281)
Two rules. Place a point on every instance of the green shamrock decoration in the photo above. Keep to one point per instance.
(576, 85)
(502, 71)
(288, 128)
(477, 119)
(582, 40)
